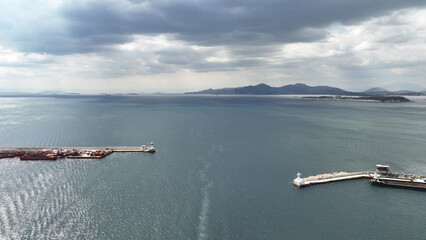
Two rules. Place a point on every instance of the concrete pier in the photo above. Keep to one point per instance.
(329, 177)
(142, 148)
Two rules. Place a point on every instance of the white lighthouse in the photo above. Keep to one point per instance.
(298, 181)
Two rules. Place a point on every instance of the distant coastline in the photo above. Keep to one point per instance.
(298, 90)
(303, 89)
(384, 99)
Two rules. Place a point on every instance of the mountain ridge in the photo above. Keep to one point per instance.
(299, 89)
(264, 89)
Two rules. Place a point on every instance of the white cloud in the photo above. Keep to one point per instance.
(10, 57)
(374, 52)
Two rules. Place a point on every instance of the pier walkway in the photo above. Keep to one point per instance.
(329, 177)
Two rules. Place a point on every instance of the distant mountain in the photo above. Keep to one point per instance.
(261, 89)
(300, 88)
(264, 89)
(376, 90)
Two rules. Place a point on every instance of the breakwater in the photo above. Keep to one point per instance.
(53, 153)
(329, 177)
(142, 148)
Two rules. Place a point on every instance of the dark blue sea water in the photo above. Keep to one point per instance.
(223, 168)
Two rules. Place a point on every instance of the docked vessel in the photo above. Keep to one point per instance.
(38, 156)
(383, 176)
(43, 155)
(11, 154)
(90, 154)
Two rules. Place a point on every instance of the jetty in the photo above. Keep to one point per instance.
(329, 177)
(142, 148)
(53, 153)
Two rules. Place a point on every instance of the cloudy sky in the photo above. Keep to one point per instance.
(189, 45)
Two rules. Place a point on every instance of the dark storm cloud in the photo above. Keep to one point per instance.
(95, 25)
(63, 45)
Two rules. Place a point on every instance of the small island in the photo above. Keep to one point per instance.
(383, 99)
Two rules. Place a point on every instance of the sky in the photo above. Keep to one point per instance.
(175, 46)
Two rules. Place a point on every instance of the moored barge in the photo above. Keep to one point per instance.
(90, 154)
(11, 154)
(383, 176)
(43, 155)
(38, 157)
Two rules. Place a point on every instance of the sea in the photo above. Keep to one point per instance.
(223, 169)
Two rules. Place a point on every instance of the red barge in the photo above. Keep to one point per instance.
(90, 154)
(55, 154)
(38, 157)
(11, 154)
